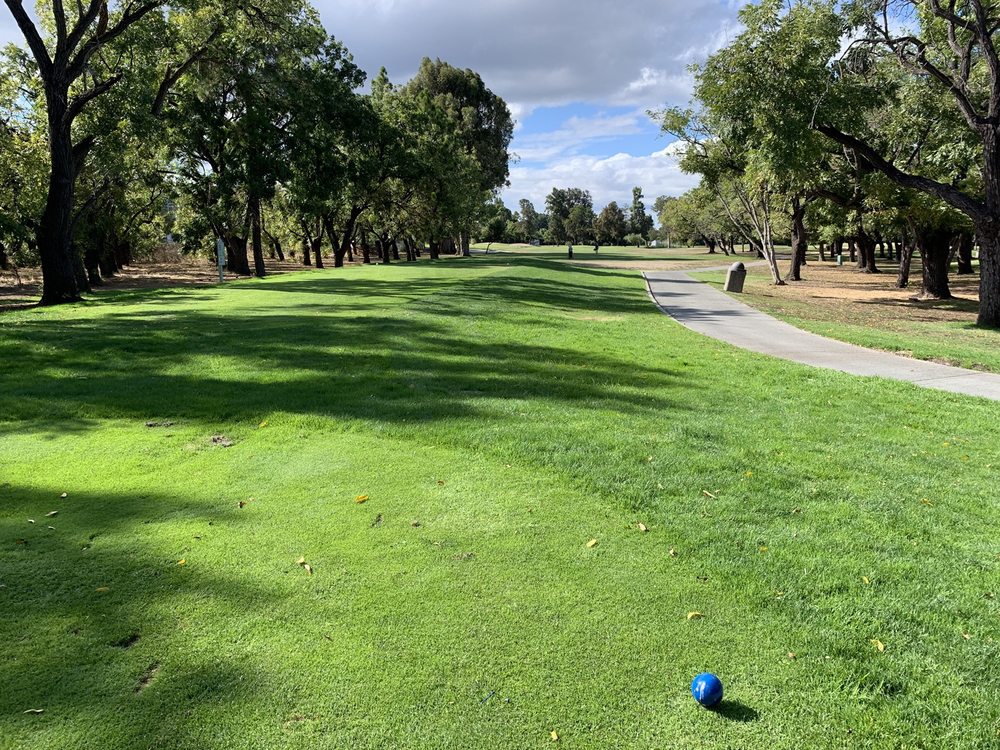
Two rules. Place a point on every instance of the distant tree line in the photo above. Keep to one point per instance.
(869, 128)
(569, 217)
(233, 121)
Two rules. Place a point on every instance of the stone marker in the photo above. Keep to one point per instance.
(735, 277)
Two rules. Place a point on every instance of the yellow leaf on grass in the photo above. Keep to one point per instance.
(262, 425)
(300, 561)
(308, 568)
(591, 544)
(695, 615)
(748, 474)
(866, 580)
(706, 493)
(361, 499)
(878, 645)
(64, 495)
(927, 502)
(643, 528)
(672, 552)
(182, 562)
(554, 735)
(763, 549)
(52, 513)
(102, 589)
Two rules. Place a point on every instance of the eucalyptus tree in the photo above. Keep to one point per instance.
(639, 221)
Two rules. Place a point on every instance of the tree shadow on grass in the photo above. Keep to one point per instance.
(80, 638)
(360, 360)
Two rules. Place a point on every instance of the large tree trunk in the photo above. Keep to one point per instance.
(465, 238)
(934, 247)
(866, 252)
(988, 237)
(434, 249)
(306, 254)
(710, 244)
(59, 279)
(905, 258)
(965, 244)
(236, 250)
(256, 239)
(346, 238)
(800, 243)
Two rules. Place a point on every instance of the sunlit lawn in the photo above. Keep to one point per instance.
(836, 535)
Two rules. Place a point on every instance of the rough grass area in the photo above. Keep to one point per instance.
(868, 310)
(836, 535)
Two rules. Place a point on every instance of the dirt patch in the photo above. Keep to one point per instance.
(841, 294)
(148, 676)
(184, 272)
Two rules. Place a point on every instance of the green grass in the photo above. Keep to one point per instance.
(912, 329)
(515, 411)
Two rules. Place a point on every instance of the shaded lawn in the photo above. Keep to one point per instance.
(498, 416)
(938, 330)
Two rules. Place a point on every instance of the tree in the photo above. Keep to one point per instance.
(481, 118)
(639, 221)
(529, 222)
(610, 226)
(64, 68)
(560, 204)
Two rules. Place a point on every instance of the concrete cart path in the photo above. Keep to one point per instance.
(708, 311)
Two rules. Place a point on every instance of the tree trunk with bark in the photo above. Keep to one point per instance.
(905, 259)
(965, 245)
(256, 239)
(800, 242)
(934, 247)
(866, 252)
(53, 237)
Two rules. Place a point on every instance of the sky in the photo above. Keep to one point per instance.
(578, 77)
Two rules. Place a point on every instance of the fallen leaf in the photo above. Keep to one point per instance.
(35, 711)
(51, 528)
(643, 528)
(763, 549)
(591, 544)
(554, 735)
(415, 524)
(649, 459)
(706, 493)
(243, 503)
(796, 511)
(866, 580)
(361, 499)
(31, 520)
(779, 594)
(21, 541)
(695, 615)
(222, 440)
(672, 552)
(300, 561)
(262, 425)
(52, 513)
(440, 483)
(748, 474)
(182, 562)
(967, 636)
(878, 645)
(927, 502)
(791, 655)
(64, 495)
(102, 589)
(308, 568)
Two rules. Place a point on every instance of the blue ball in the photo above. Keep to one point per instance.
(707, 690)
